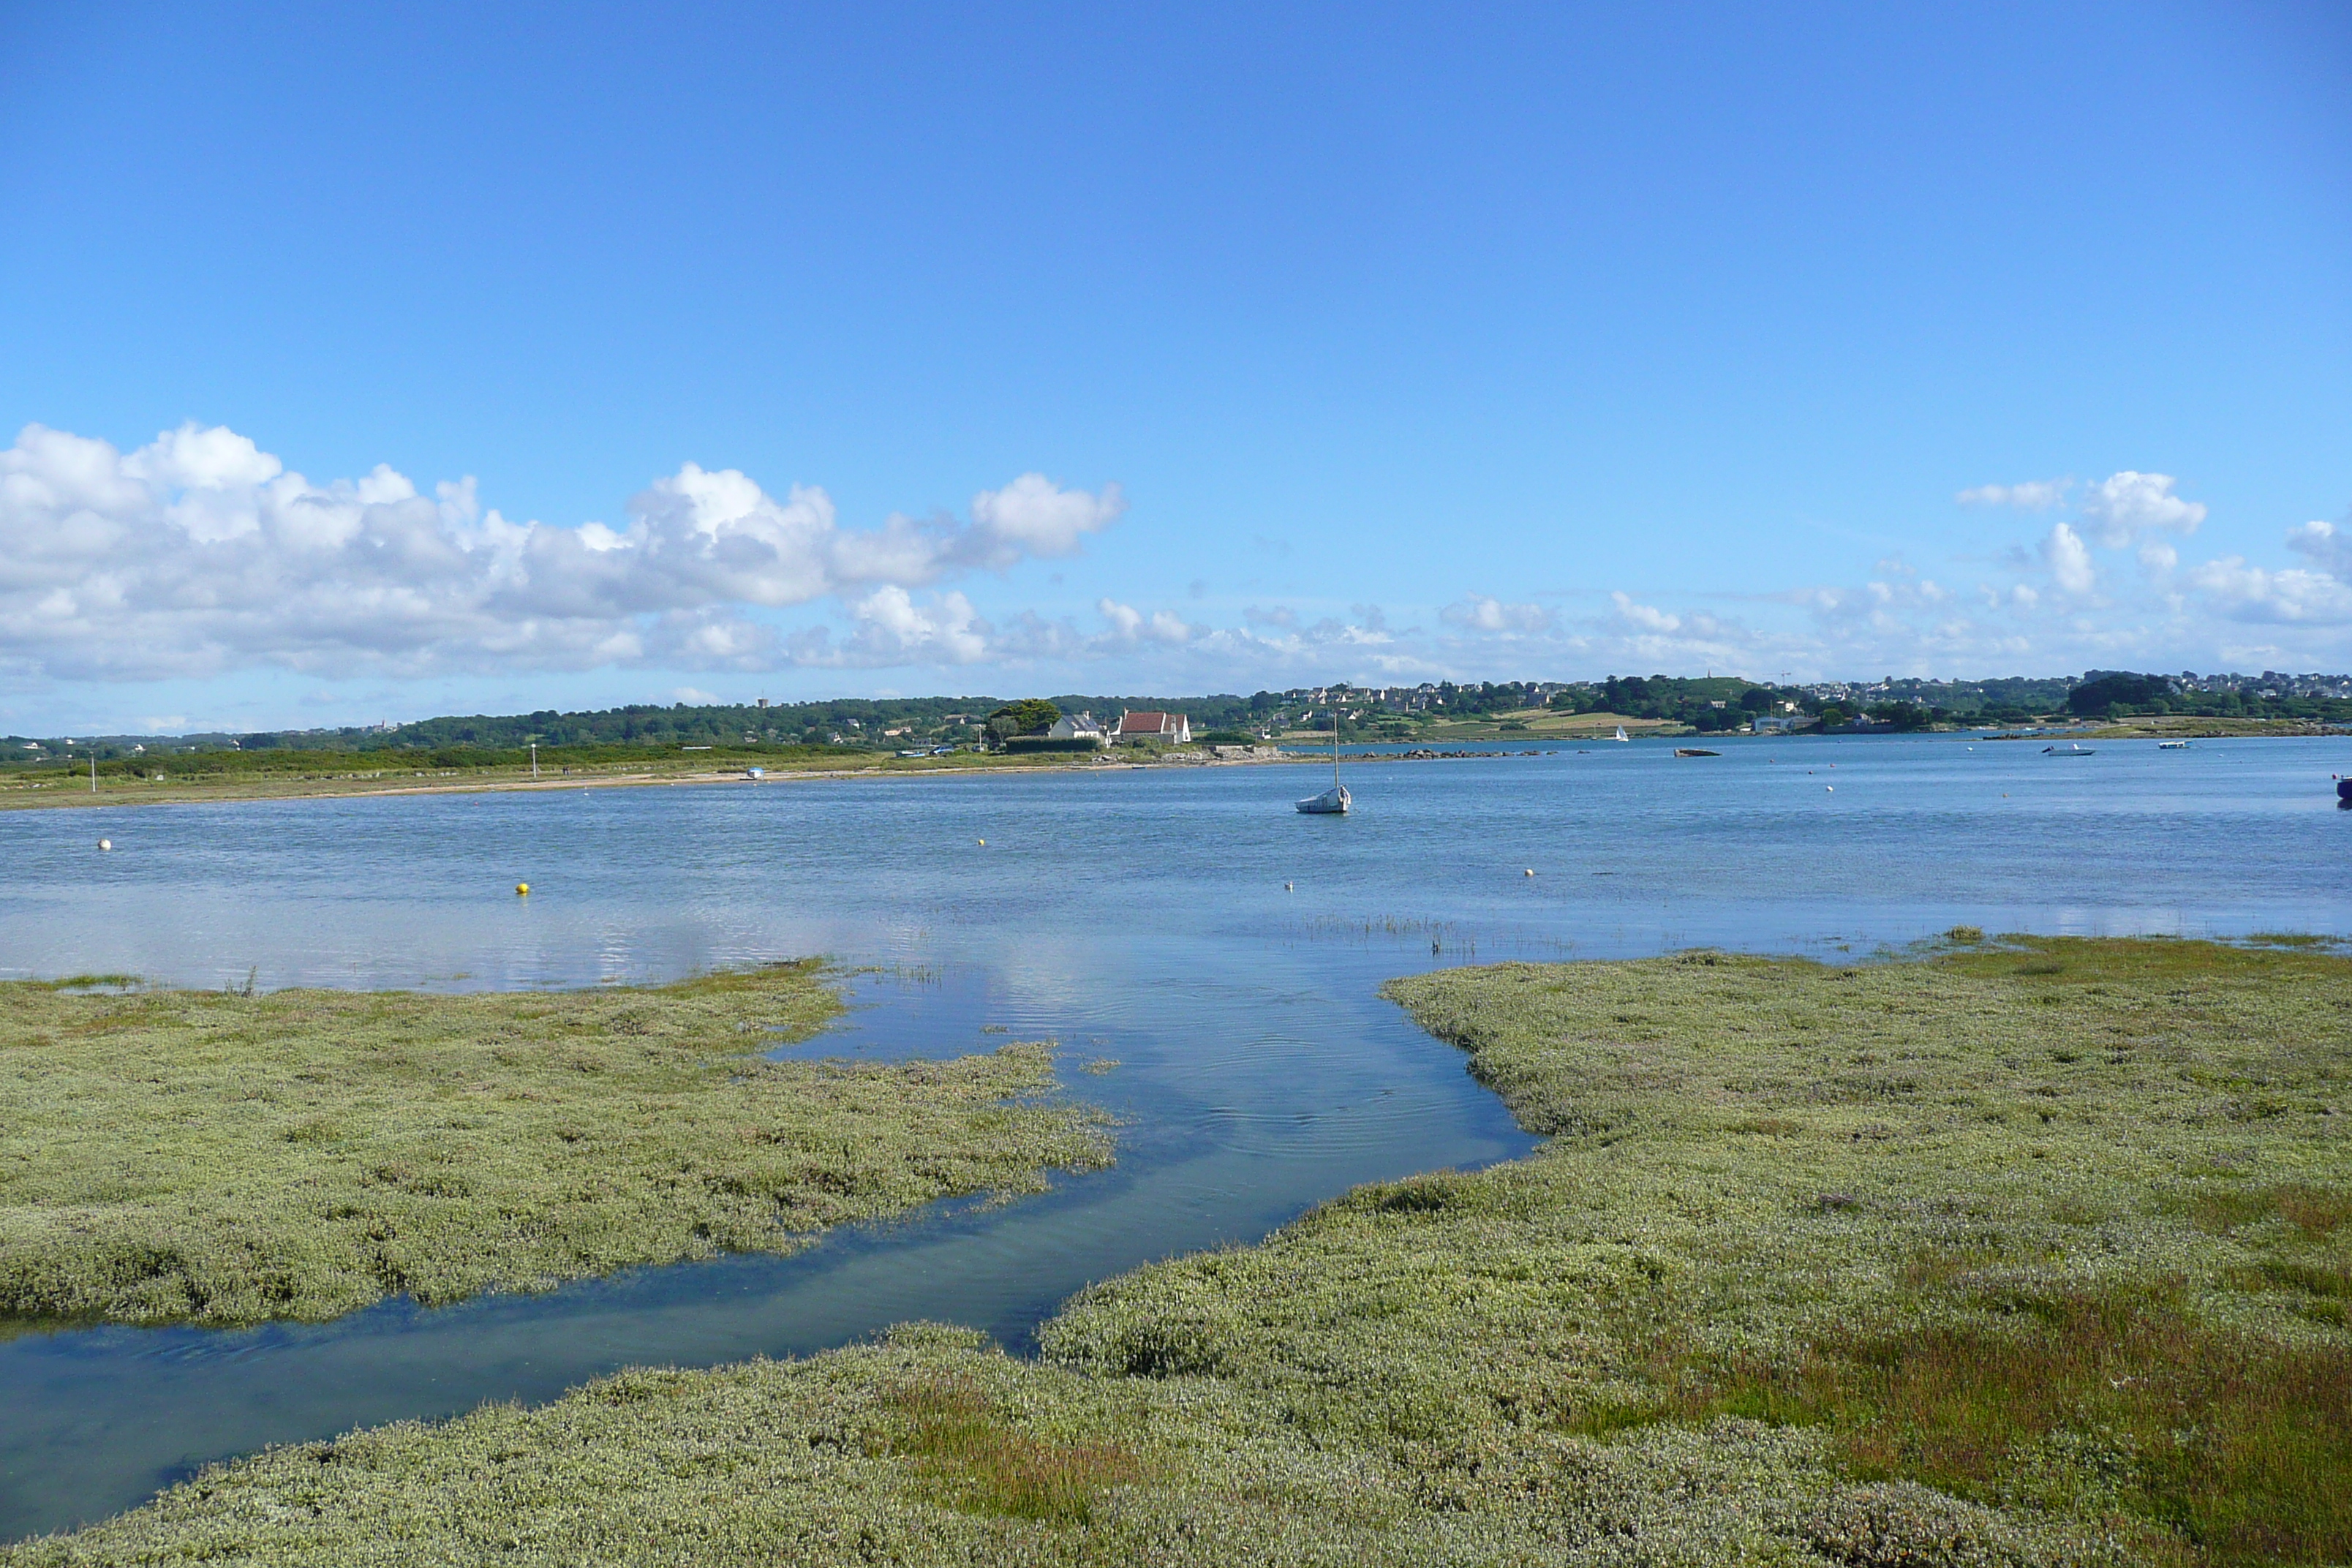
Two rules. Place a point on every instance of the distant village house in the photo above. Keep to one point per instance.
(1078, 727)
(1173, 727)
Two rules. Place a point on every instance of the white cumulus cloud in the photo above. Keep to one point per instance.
(1477, 611)
(1644, 617)
(1129, 625)
(2069, 560)
(2122, 506)
(2293, 596)
(2327, 543)
(2033, 495)
(199, 552)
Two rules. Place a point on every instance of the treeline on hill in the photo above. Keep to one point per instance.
(1901, 704)
(792, 730)
(2119, 694)
(616, 734)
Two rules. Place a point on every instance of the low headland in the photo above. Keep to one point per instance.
(2026, 1251)
(217, 1157)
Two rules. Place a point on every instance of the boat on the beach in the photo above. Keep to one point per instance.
(2071, 749)
(1335, 801)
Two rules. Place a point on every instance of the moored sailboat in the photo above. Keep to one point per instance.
(1335, 801)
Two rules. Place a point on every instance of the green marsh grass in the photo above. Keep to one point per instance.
(223, 1157)
(2028, 1252)
(953, 1429)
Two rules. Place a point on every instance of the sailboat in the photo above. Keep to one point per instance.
(1332, 802)
(1621, 734)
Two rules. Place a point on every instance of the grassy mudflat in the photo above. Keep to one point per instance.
(2031, 1253)
(208, 1156)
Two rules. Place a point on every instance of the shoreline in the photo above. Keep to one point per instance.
(344, 789)
(63, 796)
(67, 797)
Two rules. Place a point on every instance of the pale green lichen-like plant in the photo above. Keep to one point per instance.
(223, 1157)
(2029, 1253)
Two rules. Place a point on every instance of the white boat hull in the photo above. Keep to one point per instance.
(1332, 802)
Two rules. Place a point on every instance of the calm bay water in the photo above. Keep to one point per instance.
(1187, 923)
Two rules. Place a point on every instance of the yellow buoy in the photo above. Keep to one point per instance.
(984, 844)
(523, 889)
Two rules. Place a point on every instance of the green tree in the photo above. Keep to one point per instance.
(2105, 689)
(1022, 718)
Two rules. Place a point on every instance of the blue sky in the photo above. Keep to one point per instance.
(1031, 348)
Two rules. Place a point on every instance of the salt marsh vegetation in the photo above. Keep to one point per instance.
(2028, 1252)
(225, 1157)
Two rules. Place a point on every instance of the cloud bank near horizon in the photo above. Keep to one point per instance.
(200, 554)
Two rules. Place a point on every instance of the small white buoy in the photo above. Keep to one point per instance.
(1285, 887)
(106, 844)
(1531, 870)
(1830, 788)
(523, 889)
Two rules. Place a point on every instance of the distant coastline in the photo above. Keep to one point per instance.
(116, 790)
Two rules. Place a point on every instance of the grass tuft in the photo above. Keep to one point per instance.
(955, 1430)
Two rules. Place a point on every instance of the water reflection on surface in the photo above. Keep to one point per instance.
(1223, 951)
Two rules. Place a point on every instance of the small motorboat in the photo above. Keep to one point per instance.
(2172, 745)
(1694, 752)
(2343, 790)
(2071, 749)
(1332, 802)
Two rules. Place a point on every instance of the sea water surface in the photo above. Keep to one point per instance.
(1225, 951)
